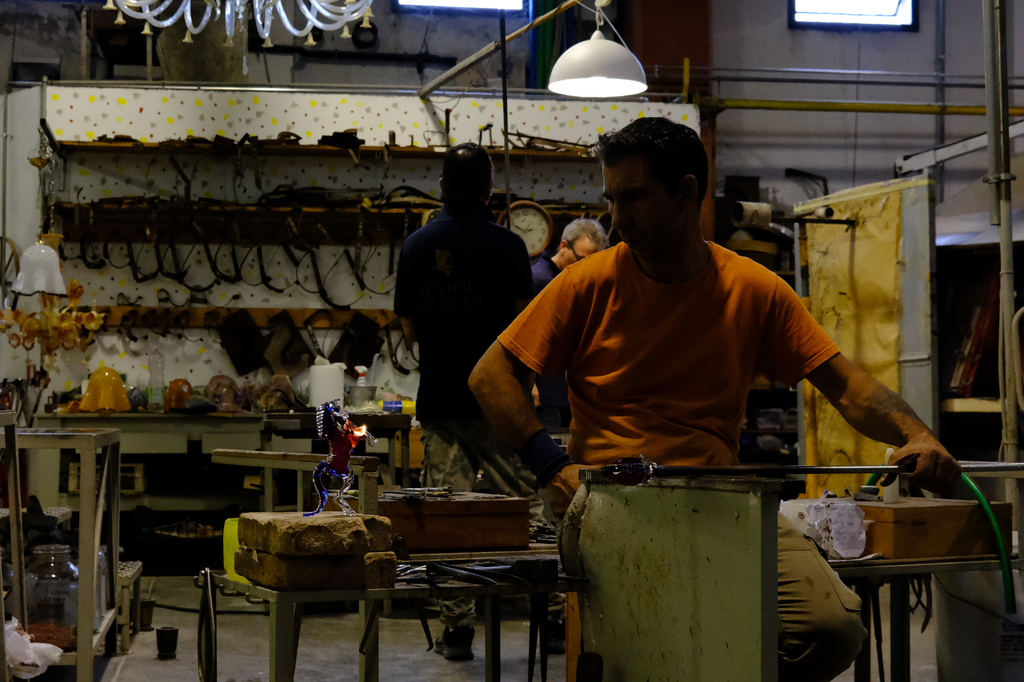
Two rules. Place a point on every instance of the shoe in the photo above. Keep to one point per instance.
(457, 644)
(556, 636)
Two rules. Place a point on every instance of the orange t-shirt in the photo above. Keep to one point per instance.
(664, 369)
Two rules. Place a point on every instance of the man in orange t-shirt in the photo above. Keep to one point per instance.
(661, 338)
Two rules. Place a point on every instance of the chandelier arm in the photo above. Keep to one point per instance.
(202, 24)
(129, 8)
(229, 18)
(350, 12)
(346, 13)
(318, 7)
(164, 23)
(287, 23)
(327, 15)
(264, 17)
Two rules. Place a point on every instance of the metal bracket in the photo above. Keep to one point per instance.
(55, 144)
(1002, 177)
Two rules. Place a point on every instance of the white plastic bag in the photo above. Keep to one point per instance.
(837, 525)
(27, 659)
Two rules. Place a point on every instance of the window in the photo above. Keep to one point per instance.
(898, 15)
(510, 5)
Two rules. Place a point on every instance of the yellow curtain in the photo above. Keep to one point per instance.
(854, 294)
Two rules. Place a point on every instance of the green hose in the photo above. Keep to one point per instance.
(1009, 595)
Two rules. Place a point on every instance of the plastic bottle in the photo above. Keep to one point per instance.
(398, 406)
(156, 380)
(361, 371)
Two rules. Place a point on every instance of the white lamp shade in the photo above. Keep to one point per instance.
(40, 272)
(597, 68)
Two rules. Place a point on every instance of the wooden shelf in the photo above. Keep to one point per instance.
(978, 405)
(71, 657)
(366, 152)
(192, 222)
(175, 317)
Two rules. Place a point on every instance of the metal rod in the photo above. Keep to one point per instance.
(670, 471)
(940, 91)
(85, 42)
(3, 205)
(330, 88)
(856, 107)
(923, 75)
(999, 178)
(480, 55)
(504, 111)
(851, 81)
(149, 57)
(929, 157)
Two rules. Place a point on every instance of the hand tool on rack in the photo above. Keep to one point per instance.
(133, 264)
(265, 279)
(211, 257)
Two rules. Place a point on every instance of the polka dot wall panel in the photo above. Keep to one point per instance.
(152, 115)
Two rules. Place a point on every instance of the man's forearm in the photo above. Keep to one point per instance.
(881, 414)
(884, 416)
(868, 405)
(496, 383)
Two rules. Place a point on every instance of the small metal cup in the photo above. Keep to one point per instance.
(166, 642)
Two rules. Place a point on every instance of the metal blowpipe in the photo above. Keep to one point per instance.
(639, 470)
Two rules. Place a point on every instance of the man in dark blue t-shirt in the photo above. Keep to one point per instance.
(462, 279)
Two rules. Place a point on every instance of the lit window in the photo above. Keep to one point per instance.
(878, 14)
(510, 5)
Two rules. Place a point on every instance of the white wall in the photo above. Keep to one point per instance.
(850, 149)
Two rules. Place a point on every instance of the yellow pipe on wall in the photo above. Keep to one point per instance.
(854, 107)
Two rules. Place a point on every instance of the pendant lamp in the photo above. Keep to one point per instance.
(597, 67)
(40, 272)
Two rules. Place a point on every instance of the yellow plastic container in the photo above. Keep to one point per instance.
(230, 545)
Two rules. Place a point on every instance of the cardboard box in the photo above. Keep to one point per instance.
(920, 528)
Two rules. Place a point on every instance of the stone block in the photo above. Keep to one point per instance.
(326, 534)
(311, 573)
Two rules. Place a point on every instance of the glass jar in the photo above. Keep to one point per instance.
(51, 585)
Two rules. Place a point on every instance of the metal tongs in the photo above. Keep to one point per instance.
(420, 493)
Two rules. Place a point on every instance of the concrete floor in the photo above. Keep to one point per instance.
(327, 648)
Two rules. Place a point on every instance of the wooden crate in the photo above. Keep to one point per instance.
(920, 528)
(463, 521)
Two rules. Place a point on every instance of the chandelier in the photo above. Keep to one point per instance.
(326, 15)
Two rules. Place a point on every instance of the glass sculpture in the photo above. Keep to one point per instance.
(342, 437)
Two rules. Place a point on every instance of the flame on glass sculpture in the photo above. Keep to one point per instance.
(342, 436)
